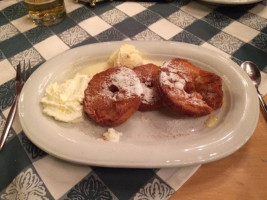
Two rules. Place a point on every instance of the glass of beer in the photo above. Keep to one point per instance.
(46, 12)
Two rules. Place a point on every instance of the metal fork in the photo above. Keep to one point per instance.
(21, 76)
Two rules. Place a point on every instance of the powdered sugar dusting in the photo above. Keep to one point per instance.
(174, 68)
(150, 94)
(126, 82)
(175, 78)
(196, 101)
(172, 79)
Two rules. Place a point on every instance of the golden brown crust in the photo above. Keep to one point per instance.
(149, 77)
(209, 85)
(111, 102)
(188, 90)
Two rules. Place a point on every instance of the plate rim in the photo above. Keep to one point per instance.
(139, 165)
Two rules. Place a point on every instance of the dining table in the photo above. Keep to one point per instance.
(235, 30)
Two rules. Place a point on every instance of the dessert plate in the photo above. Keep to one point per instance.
(150, 139)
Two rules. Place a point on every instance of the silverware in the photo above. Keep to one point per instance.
(254, 73)
(21, 76)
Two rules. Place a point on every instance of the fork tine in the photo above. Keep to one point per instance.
(18, 72)
(29, 69)
(24, 71)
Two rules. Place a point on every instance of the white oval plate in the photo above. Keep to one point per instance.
(150, 139)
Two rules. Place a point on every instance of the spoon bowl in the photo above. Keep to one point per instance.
(253, 72)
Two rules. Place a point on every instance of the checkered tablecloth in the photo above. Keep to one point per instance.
(26, 172)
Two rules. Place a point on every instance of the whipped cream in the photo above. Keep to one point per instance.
(64, 101)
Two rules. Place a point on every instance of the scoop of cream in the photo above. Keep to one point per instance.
(111, 135)
(127, 55)
(64, 101)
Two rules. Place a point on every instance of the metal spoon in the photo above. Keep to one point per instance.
(254, 73)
